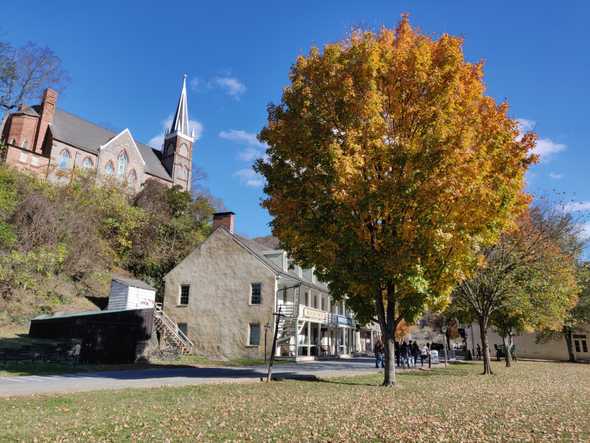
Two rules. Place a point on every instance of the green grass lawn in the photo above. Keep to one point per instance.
(529, 402)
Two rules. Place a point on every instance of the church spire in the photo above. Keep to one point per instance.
(180, 121)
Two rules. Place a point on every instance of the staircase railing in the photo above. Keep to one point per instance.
(288, 323)
(171, 327)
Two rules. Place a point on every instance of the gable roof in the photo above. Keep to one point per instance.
(87, 136)
(258, 249)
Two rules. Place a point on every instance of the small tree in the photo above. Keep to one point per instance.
(526, 280)
(577, 317)
(175, 223)
(386, 165)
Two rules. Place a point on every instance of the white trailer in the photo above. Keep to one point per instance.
(128, 293)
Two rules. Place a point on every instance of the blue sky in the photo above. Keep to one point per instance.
(126, 60)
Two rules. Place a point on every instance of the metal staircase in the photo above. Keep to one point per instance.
(288, 324)
(169, 332)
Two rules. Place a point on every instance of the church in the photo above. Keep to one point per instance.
(54, 144)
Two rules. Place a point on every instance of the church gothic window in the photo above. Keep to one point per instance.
(132, 178)
(64, 159)
(122, 161)
(87, 163)
(183, 150)
(109, 169)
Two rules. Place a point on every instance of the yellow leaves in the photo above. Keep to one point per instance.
(406, 160)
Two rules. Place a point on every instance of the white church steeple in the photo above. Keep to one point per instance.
(177, 157)
(180, 123)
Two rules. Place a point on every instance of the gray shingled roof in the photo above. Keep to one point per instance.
(132, 282)
(82, 134)
(258, 249)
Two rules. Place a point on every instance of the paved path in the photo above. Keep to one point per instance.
(175, 376)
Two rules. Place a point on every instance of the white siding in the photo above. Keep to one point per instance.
(140, 298)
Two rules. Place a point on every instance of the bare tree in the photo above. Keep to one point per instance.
(26, 71)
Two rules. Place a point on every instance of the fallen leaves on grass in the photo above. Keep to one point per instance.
(529, 402)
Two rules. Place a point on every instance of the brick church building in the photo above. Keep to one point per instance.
(52, 143)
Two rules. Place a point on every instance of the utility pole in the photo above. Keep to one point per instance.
(274, 344)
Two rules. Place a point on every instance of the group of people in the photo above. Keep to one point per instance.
(407, 354)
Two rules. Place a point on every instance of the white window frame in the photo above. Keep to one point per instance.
(579, 341)
(250, 345)
(188, 297)
(250, 302)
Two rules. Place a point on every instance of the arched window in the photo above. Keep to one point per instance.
(87, 163)
(183, 150)
(132, 178)
(64, 159)
(109, 168)
(122, 161)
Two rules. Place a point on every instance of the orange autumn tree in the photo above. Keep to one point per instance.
(386, 165)
(402, 330)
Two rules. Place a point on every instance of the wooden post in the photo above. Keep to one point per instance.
(445, 345)
(266, 328)
(274, 345)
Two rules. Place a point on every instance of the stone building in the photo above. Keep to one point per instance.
(52, 143)
(224, 294)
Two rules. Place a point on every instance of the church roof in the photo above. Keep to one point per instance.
(87, 136)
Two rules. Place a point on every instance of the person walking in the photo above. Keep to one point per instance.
(404, 355)
(423, 354)
(478, 352)
(379, 350)
(415, 353)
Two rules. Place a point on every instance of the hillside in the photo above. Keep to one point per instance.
(60, 244)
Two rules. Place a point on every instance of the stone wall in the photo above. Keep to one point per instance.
(218, 314)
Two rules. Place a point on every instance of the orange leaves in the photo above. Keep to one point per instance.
(407, 163)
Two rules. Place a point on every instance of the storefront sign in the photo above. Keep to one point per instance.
(314, 314)
(341, 320)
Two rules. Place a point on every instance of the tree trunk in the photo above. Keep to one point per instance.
(567, 334)
(483, 333)
(389, 375)
(387, 324)
(507, 350)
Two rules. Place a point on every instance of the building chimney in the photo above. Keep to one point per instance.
(47, 113)
(225, 219)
